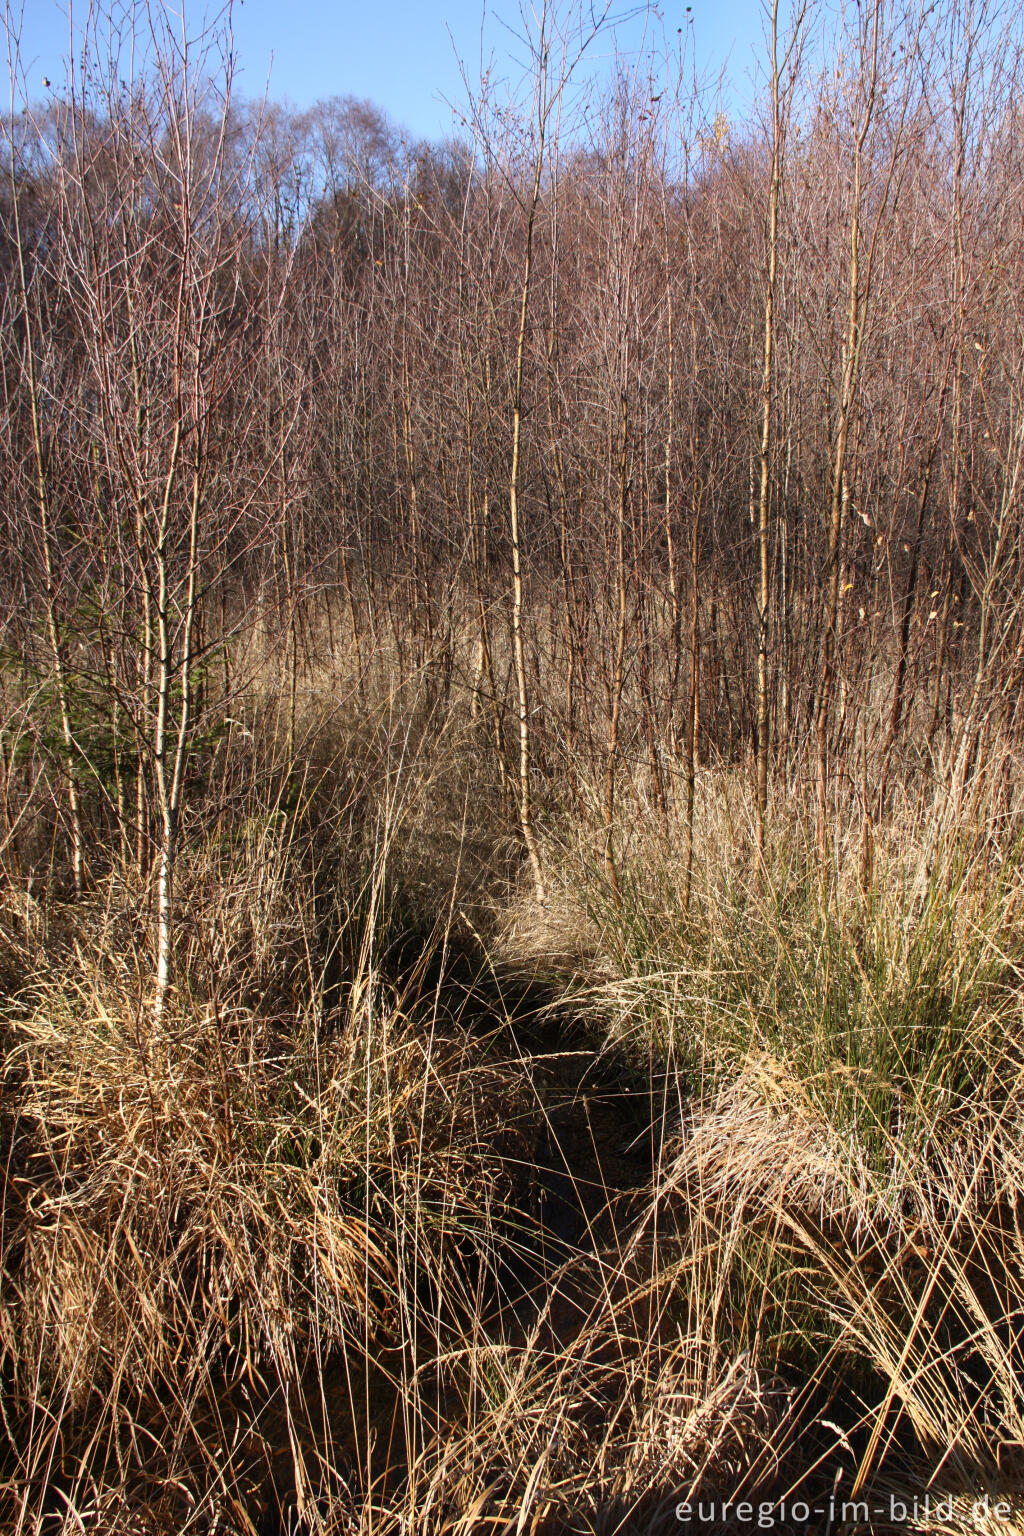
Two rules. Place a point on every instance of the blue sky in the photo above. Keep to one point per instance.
(401, 54)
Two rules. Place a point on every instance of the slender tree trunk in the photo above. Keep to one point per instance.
(162, 765)
(618, 672)
(764, 490)
(53, 627)
(675, 607)
(526, 818)
(851, 352)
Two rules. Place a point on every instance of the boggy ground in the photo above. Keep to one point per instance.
(428, 1208)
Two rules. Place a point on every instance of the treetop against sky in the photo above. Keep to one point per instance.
(412, 58)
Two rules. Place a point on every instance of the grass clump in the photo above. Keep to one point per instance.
(836, 1051)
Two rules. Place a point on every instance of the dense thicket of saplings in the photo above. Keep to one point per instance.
(469, 610)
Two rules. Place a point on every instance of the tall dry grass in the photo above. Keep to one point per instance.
(278, 1261)
(836, 1048)
(296, 1258)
